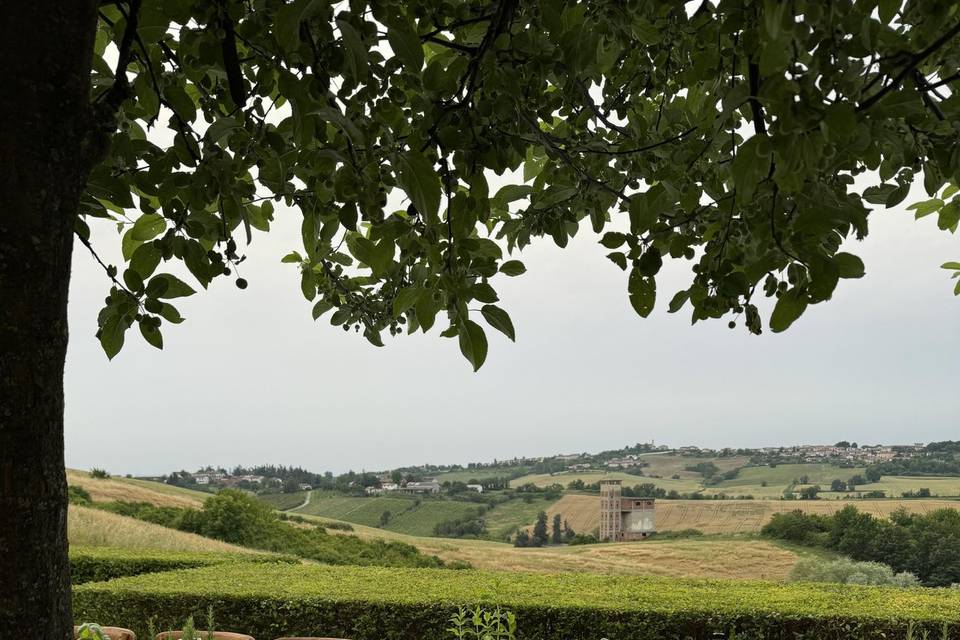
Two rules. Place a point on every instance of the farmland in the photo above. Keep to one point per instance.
(509, 516)
(688, 484)
(745, 558)
(407, 514)
(771, 482)
(132, 490)
(732, 516)
(89, 527)
(894, 486)
(466, 475)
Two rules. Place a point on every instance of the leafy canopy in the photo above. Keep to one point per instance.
(727, 134)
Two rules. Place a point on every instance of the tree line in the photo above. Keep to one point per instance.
(926, 545)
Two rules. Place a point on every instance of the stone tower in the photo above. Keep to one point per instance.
(611, 523)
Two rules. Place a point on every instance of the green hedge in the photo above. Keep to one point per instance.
(94, 564)
(367, 603)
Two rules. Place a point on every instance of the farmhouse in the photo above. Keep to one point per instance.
(431, 486)
(622, 518)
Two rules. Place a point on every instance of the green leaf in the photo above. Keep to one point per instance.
(405, 42)
(164, 285)
(288, 18)
(950, 265)
(112, 333)
(749, 168)
(643, 292)
(145, 259)
(677, 302)
(321, 308)
(181, 102)
(427, 309)
(849, 265)
(512, 268)
(949, 216)
(147, 227)
(421, 183)
(356, 51)
(789, 307)
(499, 320)
(613, 239)
(405, 299)
(151, 333)
(926, 207)
(473, 343)
(169, 313)
(619, 259)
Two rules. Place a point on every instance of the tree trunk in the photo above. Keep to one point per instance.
(45, 61)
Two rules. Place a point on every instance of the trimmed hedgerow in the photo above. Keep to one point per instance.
(94, 564)
(367, 603)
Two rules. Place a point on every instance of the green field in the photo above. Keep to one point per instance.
(466, 475)
(284, 501)
(505, 518)
(894, 486)
(406, 516)
(590, 477)
(421, 519)
(750, 480)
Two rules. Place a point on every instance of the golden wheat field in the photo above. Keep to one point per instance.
(94, 528)
(731, 516)
(132, 490)
(715, 558)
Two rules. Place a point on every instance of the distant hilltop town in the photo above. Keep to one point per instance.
(431, 479)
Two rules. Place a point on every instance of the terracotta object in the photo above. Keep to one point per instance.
(217, 635)
(308, 638)
(114, 633)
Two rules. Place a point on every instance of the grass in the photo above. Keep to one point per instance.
(730, 516)
(751, 479)
(506, 518)
(406, 516)
(358, 510)
(284, 501)
(897, 485)
(466, 475)
(421, 519)
(667, 465)
(735, 558)
(133, 490)
(88, 527)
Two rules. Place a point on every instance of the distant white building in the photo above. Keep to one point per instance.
(475, 487)
(430, 486)
(303, 486)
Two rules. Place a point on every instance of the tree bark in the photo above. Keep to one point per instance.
(45, 124)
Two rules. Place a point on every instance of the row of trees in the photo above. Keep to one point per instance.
(540, 536)
(926, 545)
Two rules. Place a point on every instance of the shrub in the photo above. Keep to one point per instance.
(78, 495)
(375, 603)
(99, 473)
(95, 564)
(846, 571)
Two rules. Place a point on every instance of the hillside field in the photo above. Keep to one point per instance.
(751, 480)
(731, 516)
(406, 515)
(689, 484)
(506, 518)
(90, 527)
(466, 475)
(133, 490)
(741, 558)
(897, 485)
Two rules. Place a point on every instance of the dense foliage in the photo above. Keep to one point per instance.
(367, 603)
(846, 571)
(926, 545)
(729, 135)
(239, 518)
(95, 564)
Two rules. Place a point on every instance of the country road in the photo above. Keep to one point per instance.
(305, 502)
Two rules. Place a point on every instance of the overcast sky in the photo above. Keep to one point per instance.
(250, 378)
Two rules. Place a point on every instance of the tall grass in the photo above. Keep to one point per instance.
(95, 528)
